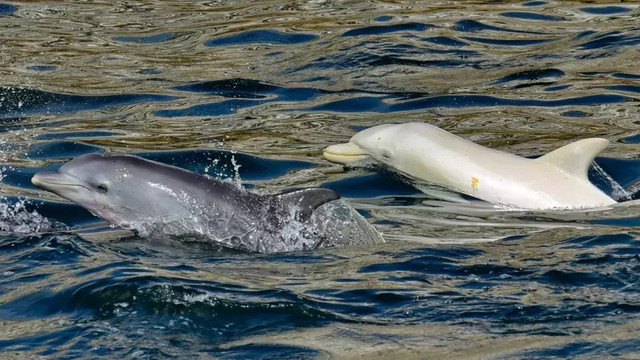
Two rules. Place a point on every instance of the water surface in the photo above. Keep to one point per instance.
(257, 91)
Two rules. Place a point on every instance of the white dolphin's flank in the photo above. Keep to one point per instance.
(557, 180)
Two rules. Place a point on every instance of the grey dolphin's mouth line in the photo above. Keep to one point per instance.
(50, 180)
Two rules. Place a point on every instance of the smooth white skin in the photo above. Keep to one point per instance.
(431, 154)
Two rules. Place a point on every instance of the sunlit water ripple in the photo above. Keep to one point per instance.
(212, 85)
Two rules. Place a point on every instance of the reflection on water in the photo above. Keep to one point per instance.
(258, 90)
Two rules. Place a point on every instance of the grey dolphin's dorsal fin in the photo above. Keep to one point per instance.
(575, 158)
(307, 200)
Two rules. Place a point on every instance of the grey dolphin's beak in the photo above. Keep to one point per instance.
(345, 154)
(55, 181)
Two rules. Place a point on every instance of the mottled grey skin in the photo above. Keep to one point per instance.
(156, 199)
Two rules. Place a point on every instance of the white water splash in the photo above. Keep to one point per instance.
(618, 192)
(221, 175)
(295, 234)
(16, 218)
(214, 163)
(163, 188)
(236, 172)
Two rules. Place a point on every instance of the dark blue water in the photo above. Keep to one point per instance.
(254, 93)
(605, 10)
(262, 36)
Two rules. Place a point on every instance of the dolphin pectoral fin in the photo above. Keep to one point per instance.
(575, 158)
(344, 153)
(306, 200)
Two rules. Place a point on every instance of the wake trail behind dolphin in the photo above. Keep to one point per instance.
(619, 193)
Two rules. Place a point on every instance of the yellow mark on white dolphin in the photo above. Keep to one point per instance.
(474, 183)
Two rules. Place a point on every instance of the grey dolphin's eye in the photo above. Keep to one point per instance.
(103, 188)
(386, 154)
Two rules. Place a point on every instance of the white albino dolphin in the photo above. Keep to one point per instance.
(425, 152)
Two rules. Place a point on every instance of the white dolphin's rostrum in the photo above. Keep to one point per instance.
(557, 180)
(152, 198)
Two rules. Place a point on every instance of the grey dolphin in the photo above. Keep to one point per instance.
(152, 198)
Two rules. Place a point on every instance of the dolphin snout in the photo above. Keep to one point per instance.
(53, 180)
(43, 178)
(346, 153)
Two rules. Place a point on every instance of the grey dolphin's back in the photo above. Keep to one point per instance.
(143, 172)
(214, 189)
(154, 170)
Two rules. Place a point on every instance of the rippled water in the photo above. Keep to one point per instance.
(268, 85)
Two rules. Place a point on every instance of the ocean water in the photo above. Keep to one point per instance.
(255, 91)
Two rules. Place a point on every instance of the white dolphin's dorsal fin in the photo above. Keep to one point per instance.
(575, 158)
